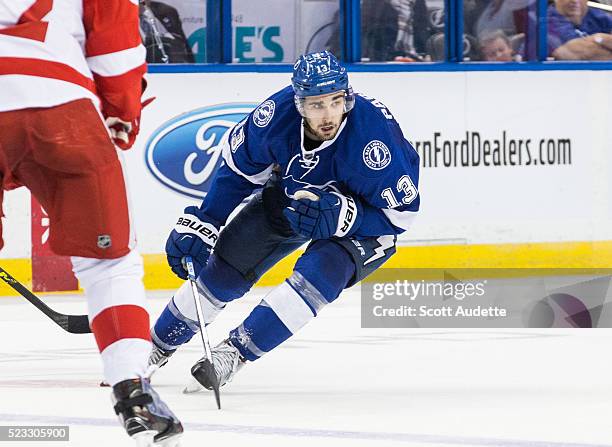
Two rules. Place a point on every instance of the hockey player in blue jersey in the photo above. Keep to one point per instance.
(337, 173)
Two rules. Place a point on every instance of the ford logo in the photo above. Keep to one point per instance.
(185, 152)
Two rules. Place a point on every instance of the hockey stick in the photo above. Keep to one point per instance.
(206, 364)
(75, 324)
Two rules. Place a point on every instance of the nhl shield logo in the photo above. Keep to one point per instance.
(104, 241)
(264, 113)
(376, 155)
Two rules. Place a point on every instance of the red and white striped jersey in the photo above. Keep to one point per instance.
(55, 51)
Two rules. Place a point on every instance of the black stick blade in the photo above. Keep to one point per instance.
(204, 372)
(75, 324)
(78, 324)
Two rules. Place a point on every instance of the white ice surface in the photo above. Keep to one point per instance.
(334, 384)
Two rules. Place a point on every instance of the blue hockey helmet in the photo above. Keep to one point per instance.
(316, 74)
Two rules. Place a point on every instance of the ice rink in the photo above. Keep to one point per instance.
(334, 384)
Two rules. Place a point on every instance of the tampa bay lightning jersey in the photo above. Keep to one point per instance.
(369, 159)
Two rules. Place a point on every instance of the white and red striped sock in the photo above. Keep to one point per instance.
(117, 314)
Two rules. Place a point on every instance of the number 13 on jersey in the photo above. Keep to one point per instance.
(405, 186)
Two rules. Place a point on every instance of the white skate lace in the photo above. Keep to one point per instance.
(226, 360)
(158, 357)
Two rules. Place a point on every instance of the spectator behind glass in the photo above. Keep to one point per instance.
(379, 30)
(495, 46)
(577, 32)
(503, 15)
(393, 30)
(162, 34)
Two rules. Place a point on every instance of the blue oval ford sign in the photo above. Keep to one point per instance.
(184, 153)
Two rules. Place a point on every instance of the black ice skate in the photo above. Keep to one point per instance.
(227, 362)
(145, 417)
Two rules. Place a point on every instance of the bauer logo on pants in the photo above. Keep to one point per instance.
(184, 152)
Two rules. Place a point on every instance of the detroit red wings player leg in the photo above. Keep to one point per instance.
(64, 67)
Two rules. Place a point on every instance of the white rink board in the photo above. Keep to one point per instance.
(468, 204)
(503, 204)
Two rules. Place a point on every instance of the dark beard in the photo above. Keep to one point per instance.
(313, 135)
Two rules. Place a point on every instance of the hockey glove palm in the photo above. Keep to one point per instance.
(123, 132)
(194, 234)
(333, 214)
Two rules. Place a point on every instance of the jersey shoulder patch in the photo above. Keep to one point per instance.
(376, 155)
(263, 114)
(276, 108)
(371, 145)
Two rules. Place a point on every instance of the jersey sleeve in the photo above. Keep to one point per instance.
(247, 165)
(227, 191)
(389, 194)
(115, 55)
(247, 152)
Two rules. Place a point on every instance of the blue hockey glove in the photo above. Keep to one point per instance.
(194, 234)
(331, 214)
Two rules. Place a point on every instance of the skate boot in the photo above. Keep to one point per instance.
(227, 362)
(159, 357)
(145, 417)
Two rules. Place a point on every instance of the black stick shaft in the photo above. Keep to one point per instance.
(75, 324)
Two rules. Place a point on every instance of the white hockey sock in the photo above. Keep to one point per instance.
(211, 307)
(117, 313)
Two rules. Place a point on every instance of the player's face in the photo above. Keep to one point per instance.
(323, 114)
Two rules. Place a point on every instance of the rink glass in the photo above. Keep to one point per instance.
(278, 31)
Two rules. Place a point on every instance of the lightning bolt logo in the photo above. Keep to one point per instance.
(385, 242)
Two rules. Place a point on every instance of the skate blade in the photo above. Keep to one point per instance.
(193, 387)
(144, 438)
(173, 441)
(147, 439)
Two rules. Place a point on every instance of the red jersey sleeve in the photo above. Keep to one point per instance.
(115, 55)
